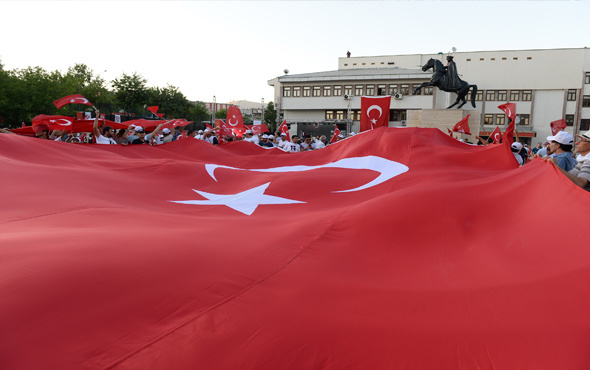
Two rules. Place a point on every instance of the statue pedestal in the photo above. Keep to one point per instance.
(444, 119)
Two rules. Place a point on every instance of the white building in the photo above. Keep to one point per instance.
(546, 85)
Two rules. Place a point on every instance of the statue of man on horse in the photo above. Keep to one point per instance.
(447, 79)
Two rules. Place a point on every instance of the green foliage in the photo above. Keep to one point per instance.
(248, 120)
(130, 92)
(198, 112)
(221, 114)
(270, 117)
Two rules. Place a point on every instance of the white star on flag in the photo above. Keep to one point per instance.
(52, 120)
(245, 202)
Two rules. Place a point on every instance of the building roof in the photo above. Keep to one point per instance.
(357, 74)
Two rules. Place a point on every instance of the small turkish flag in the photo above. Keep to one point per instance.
(374, 112)
(335, 136)
(53, 122)
(463, 126)
(510, 110)
(496, 135)
(258, 129)
(450, 132)
(557, 126)
(71, 99)
(234, 117)
(153, 109)
(284, 129)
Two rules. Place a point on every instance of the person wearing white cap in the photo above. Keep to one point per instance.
(265, 143)
(516, 148)
(580, 174)
(166, 136)
(560, 147)
(199, 135)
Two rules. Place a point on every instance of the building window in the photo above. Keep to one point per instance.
(569, 119)
(500, 119)
(348, 90)
(525, 119)
(585, 124)
(587, 80)
(571, 95)
(490, 95)
(502, 95)
(414, 87)
(586, 101)
(392, 89)
(356, 115)
(297, 91)
(479, 96)
(337, 90)
(306, 91)
(339, 114)
(381, 90)
(405, 89)
(286, 91)
(427, 90)
(358, 90)
(514, 95)
(327, 90)
(403, 115)
(329, 115)
(527, 95)
(488, 119)
(370, 90)
(317, 91)
(394, 115)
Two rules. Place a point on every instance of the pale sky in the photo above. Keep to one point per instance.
(230, 49)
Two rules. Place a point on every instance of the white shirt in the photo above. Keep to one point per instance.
(105, 140)
(292, 147)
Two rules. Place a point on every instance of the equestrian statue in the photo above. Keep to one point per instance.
(447, 79)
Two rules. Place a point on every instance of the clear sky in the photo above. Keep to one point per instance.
(230, 49)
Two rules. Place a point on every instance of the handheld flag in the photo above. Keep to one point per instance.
(337, 133)
(557, 126)
(463, 126)
(496, 135)
(284, 129)
(374, 112)
(71, 99)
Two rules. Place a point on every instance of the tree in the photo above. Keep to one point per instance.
(270, 117)
(130, 91)
(198, 112)
(221, 114)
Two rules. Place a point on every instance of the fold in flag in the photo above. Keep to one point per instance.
(284, 129)
(374, 112)
(337, 133)
(510, 110)
(46, 122)
(346, 270)
(496, 135)
(557, 126)
(71, 99)
(234, 118)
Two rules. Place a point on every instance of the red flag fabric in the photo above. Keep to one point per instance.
(496, 135)
(284, 129)
(161, 115)
(153, 109)
(234, 117)
(258, 129)
(337, 133)
(54, 122)
(450, 132)
(557, 126)
(374, 112)
(71, 99)
(510, 110)
(354, 277)
(462, 126)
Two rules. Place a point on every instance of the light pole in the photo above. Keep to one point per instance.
(262, 118)
(214, 110)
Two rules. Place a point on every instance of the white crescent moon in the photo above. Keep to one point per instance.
(229, 122)
(375, 107)
(387, 169)
(63, 124)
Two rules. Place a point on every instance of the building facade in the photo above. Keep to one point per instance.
(546, 85)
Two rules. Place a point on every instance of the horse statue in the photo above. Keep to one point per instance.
(447, 79)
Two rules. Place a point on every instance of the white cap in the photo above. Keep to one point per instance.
(516, 145)
(248, 131)
(166, 131)
(200, 131)
(265, 136)
(562, 137)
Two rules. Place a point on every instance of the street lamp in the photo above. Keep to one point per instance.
(214, 110)
(262, 119)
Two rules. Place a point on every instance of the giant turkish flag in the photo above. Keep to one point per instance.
(120, 257)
